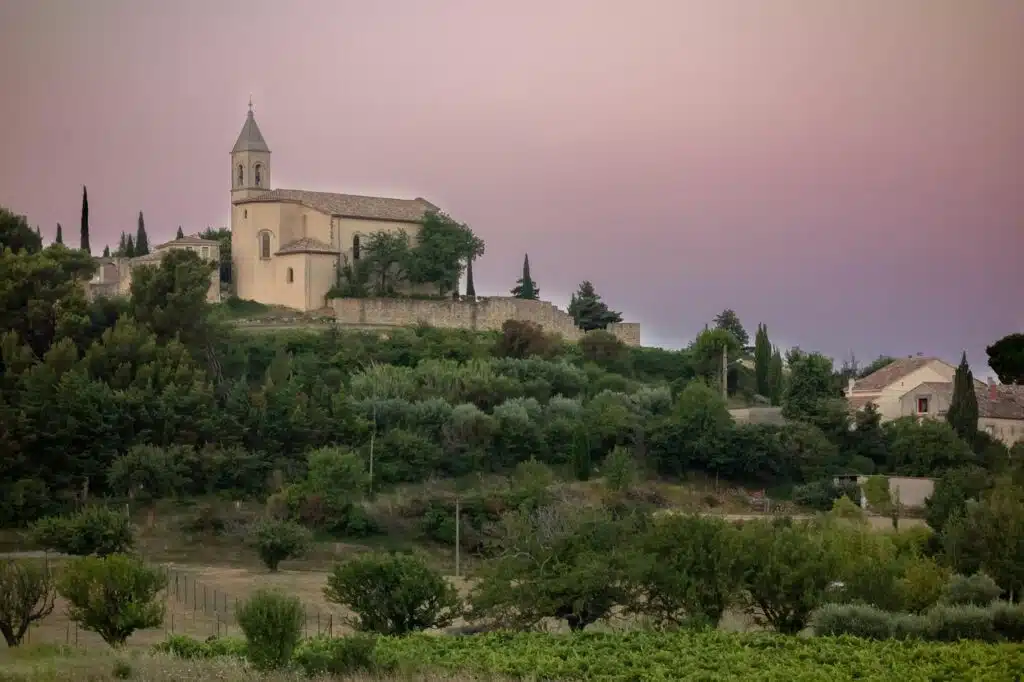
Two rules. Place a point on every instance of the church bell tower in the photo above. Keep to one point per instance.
(250, 161)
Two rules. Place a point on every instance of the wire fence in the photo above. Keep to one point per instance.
(192, 607)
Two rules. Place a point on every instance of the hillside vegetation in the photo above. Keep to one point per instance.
(543, 462)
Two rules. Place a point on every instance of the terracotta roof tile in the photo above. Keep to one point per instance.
(1001, 402)
(891, 373)
(350, 205)
(188, 239)
(306, 245)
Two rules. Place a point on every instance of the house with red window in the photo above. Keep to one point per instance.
(922, 387)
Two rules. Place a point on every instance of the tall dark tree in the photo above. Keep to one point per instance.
(16, 235)
(963, 407)
(525, 286)
(85, 220)
(776, 378)
(589, 311)
(129, 248)
(106, 252)
(730, 321)
(122, 245)
(762, 360)
(60, 235)
(179, 234)
(470, 286)
(1006, 358)
(141, 238)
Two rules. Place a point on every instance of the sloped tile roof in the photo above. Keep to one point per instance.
(1001, 402)
(350, 205)
(305, 245)
(188, 239)
(891, 373)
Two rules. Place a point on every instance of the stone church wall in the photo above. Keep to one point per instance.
(484, 314)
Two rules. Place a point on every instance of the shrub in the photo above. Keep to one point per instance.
(922, 584)
(93, 530)
(953, 623)
(392, 594)
(975, 590)
(26, 596)
(113, 596)
(338, 656)
(819, 495)
(858, 620)
(1008, 620)
(272, 623)
(187, 647)
(276, 541)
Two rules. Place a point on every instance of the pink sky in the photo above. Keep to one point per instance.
(850, 172)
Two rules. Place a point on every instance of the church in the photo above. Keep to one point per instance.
(287, 244)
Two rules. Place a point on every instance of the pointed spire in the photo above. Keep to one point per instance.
(250, 139)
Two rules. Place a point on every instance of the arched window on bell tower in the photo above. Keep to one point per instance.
(257, 174)
(241, 175)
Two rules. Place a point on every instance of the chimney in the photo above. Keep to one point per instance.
(992, 388)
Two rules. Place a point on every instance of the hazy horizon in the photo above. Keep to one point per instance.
(849, 173)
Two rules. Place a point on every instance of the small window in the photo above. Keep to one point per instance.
(206, 253)
(265, 245)
(291, 275)
(355, 247)
(922, 405)
(245, 213)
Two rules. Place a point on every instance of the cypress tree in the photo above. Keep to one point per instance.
(180, 234)
(106, 252)
(762, 360)
(122, 245)
(129, 248)
(470, 287)
(526, 287)
(776, 380)
(85, 220)
(141, 239)
(60, 235)
(39, 234)
(963, 408)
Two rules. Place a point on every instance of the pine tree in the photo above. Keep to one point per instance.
(122, 245)
(762, 360)
(129, 248)
(141, 238)
(85, 221)
(470, 287)
(525, 286)
(60, 235)
(180, 234)
(589, 311)
(963, 407)
(39, 234)
(106, 252)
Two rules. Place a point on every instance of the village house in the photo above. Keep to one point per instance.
(114, 275)
(922, 387)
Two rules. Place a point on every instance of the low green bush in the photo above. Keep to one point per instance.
(975, 590)
(183, 646)
(272, 623)
(1008, 620)
(955, 623)
(860, 620)
(355, 653)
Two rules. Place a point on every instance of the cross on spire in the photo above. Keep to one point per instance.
(250, 102)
